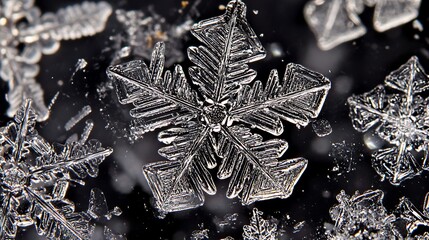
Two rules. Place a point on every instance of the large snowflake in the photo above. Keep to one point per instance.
(35, 177)
(362, 216)
(26, 34)
(212, 122)
(402, 120)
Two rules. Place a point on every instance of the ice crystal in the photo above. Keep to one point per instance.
(26, 34)
(337, 21)
(401, 120)
(144, 30)
(259, 228)
(416, 221)
(35, 176)
(362, 216)
(206, 128)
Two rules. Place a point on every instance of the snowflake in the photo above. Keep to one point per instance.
(416, 221)
(337, 21)
(402, 120)
(259, 228)
(206, 127)
(35, 177)
(362, 216)
(142, 31)
(26, 35)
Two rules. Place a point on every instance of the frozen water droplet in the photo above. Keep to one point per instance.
(418, 25)
(255, 12)
(322, 127)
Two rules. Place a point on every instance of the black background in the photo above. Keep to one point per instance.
(359, 65)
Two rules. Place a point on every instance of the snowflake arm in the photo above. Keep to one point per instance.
(179, 183)
(254, 167)
(221, 66)
(297, 99)
(159, 101)
(414, 218)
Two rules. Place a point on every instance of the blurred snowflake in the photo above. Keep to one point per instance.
(402, 119)
(26, 34)
(35, 177)
(362, 216)
(142, 30)
(337, 21)
(206, 127)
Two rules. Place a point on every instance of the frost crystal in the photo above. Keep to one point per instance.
(362, 216)
(401, 119)
(26, 35)
(210, 126)
(35, 177)
(259, 228)
(143, 31)
(337, 21)
(416, 221)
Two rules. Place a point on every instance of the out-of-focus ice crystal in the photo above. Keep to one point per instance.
(202, 129)
(337, 21)
(143, 30)
(35, 176)
(362, 216)
(334, 21)
(26, 34)
(401, 119)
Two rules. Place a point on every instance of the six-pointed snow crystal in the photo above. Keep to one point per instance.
(337, 21)
(22, 25)
(216, 121)
(362, 216)
(259, 228)
(416, 221)
(401, 120)
(35, 176)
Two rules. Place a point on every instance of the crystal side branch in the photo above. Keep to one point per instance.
(416, 221)
(21, 24)
(400, 119)
(35, 176)
(337, 21)
(214, 122)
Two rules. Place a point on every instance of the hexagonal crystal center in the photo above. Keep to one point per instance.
(215, 116)
(13, 177)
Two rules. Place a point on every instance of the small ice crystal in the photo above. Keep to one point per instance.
(345, 157)
(219, 124)
(200, 234)
(297, 227)
(259, 228)
(361, 216)
(228, 219)
(400, 119)
(85, 111)
(322, 127)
